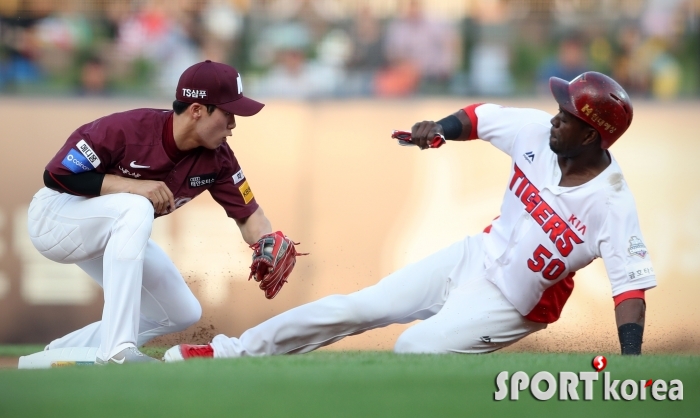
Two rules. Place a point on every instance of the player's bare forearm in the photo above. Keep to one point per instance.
(254, 226)
(115, 184)
(156, 191)
(630, 311)
(629, 315)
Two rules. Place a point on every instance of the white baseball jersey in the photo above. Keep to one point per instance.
(545, 232)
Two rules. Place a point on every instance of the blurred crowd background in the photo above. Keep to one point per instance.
(304, 49)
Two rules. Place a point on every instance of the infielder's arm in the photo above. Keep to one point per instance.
(629, 315)
(91, 184)
(456, 127)
(254, 226)
(156, 191)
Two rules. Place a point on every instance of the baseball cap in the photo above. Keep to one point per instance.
(214, 83)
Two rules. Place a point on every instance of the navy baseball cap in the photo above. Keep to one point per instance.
(214, 83)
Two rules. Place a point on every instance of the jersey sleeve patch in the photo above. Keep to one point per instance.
(238, 177)
(77, 162)
(637, 247)
(640, 270)
(88, 153)
(246, 192)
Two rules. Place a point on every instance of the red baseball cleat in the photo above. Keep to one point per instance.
(187, 351)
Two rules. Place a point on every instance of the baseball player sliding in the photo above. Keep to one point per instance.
(565, 204)
(109, 181)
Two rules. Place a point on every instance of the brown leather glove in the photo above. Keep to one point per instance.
(274, 257)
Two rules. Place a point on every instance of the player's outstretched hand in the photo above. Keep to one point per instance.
(157, 192)
(274, 257)
(405, 138)
(424, 133)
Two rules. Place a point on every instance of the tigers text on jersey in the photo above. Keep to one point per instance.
(130, 144)
(545, 233)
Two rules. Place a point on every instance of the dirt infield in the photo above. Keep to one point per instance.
(8, 362)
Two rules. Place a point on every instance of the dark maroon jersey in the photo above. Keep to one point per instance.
(130, 144)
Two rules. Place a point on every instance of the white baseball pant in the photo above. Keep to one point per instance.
(109, 238)
(462, 312)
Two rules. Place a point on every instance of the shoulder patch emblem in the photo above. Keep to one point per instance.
(246, 192)
(529, 156)
(637, 247)
(76, 162)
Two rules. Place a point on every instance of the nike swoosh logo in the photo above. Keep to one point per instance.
(134, 165)
(118, 361)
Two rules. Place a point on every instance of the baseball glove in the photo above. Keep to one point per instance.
(274, 257)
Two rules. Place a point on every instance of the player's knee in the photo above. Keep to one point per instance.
(411, 343)
(423, 340)
(405, 345)
(135, 219)
(186, 316)
(192, 317)
(138, 207)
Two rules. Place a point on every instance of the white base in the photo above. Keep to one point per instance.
(60, 357)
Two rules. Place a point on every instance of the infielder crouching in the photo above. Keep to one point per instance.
(109, 181)
(565, 204)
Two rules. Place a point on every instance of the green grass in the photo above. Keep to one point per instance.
(335, 384)
(23, 350)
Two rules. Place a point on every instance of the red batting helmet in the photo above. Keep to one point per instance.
(597, 100)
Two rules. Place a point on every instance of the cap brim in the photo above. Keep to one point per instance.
(242, 107)
(560, 91)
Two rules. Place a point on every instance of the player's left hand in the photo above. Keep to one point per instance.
(274, 257)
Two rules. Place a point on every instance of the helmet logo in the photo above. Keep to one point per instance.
(595, 118)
